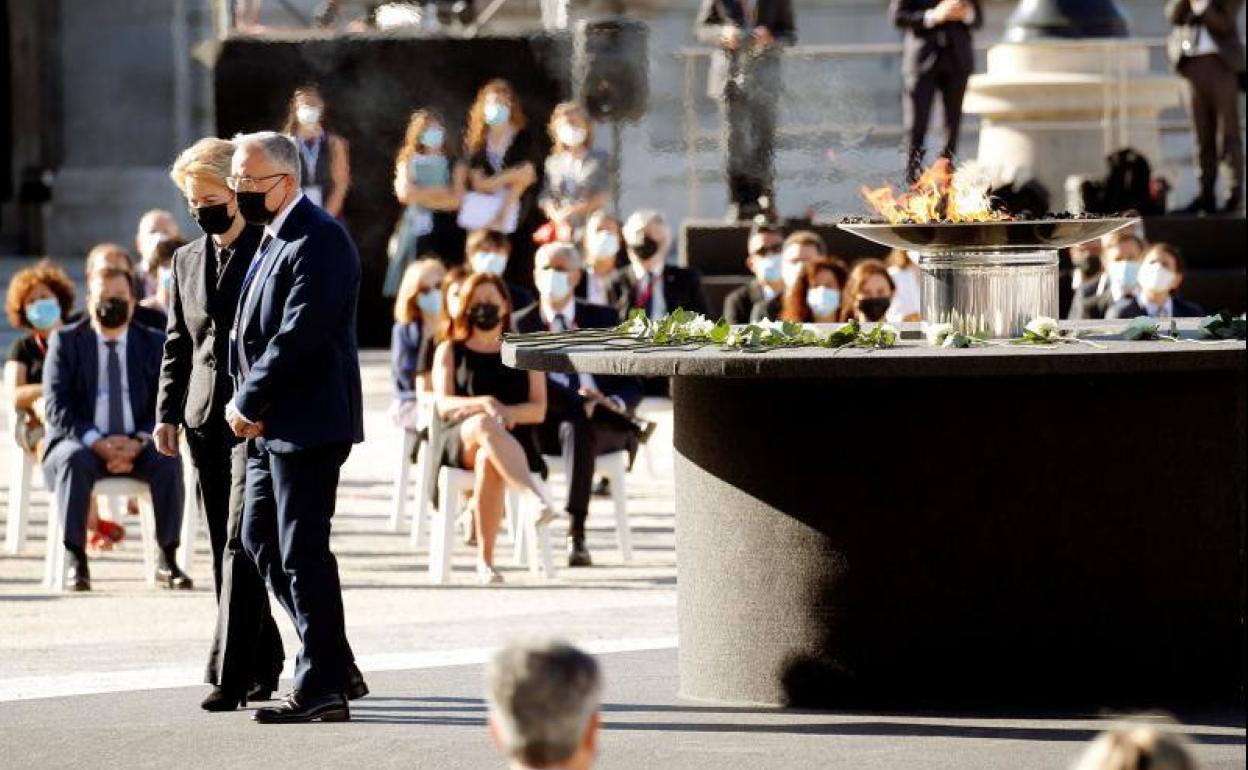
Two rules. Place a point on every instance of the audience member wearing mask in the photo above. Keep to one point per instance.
(99, 389)
(584, 413)
(604, 252)
(649, 283)
(246, 656)
(545, 705)
(156, 226)
(1121, 255)
(111, 256)
(1135, 748)
(816, 295)
(161, 275)
(576, 182)
(489, 251)
(414, 337)
(430, 184)
(324, 157)
(489, 413)
(1085, 273)
(1158, 282)
(763, 260)
(39, 299)
(503, 158)
(903, 268)
(868, 292)
(452, 285)
(799, 250)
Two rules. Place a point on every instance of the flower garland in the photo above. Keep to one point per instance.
(683, 327)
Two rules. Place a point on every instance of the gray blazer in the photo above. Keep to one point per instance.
(1219, 18)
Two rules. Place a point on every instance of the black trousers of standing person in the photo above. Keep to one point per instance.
(286, 527)
(947, 78)
(749, 121)
(1213, 102)
(246, 647)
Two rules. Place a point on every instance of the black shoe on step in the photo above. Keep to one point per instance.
(1201, 204)
(77, 575)
(356, 687)
(170, 575)
(578, 554)
(221, 699)
(259, 692)
(298, 709)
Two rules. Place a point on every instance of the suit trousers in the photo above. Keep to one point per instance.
(247, 646)
(71, 470)
(286, 528)
(947, 78)
(1213, 103)
(580, 440)
(749, 121)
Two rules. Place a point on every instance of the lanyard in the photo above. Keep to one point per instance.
(311, 154)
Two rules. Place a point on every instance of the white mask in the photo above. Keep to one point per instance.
(553, 284)
(492, 262)
(1154, 277)
(570, 136)
(308, 116)
(604, 244)
(1123, 273)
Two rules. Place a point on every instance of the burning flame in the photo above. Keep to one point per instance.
(940, 195)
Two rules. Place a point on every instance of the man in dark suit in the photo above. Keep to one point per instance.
(99, 385)
(1157, 296)
(1121, 254)
(764, 262)
(298, 400)
(649, 282)
(1205, 49)
(937, 55)
(112, 256)
(745, 77)
(583, 412)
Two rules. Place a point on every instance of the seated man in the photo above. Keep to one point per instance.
(586, 416)
(488, 252)
(1157, 296)
(800, 249)
(99, 386)
(1120, 256)
(113, 257)
(649, 283)
(763, 260)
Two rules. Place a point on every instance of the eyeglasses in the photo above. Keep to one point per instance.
(768, 251)
(248, 184)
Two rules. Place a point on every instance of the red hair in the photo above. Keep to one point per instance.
(461, 329)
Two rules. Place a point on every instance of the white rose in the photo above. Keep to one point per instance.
(1042, 326)
(937, 333)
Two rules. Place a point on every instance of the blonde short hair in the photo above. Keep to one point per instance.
(1135, 748)
(206, 159)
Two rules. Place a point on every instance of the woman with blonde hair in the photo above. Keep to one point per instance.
(417, 309)
(324, 157)
(576, 182)
(1135, 748)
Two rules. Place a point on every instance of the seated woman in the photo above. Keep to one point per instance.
(816, 295)
(576, 182)
(868, 292)
(489, 251)
(489, 412)
(414, 336)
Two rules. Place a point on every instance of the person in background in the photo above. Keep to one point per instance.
(324, 157)
(452, 285)
(160, 275)
(938, 54)
(586, 415)
(489, 413)
(1086, 269)
(604, 252)
(111, 256)
(763, 247)
(799, 250)
(489, 251)
(99, 390)
(868, 292)
(903, 268)
(745, 78)
(430, 184)
(1121, 254)
(816, 296)
(1159, 279)
(650, 283)
(414, 337)
(575, 183)
(156, 226)
(1205, 49)
(545, 700)
(503, 159)
(1135, 748)
(39, 299)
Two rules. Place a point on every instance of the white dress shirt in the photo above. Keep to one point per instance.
(658, 303)
(1204, 41)
(101, 391)
(595, 288)
(1163, 310)
(568, 316)
(929, 17)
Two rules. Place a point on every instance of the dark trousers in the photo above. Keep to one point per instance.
(1213, 103)
(579, 440)
(749, 119)
(246, 647)
(947, 78)
(72, 469)
(286, 526)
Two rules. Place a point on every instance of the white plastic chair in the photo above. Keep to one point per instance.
(614, 466)
(21, 478)
(116, 487)
(403, 474)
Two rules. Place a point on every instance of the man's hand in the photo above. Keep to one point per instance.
(730, 37)
(591, 397)
(240, 425)
(165, 436)
(763, 37)
(945, 11)
(128, 448)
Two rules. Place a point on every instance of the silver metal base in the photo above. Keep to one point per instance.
(991, 293)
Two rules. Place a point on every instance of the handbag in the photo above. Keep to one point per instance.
(479, 210)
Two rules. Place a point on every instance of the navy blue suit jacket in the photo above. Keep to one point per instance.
(1130, 307)
(296, 321)
(71, 379)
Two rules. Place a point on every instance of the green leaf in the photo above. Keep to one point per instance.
(1141, 328)
(720, 333)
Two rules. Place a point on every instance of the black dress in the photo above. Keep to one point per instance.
(30, 352)
(485, 374)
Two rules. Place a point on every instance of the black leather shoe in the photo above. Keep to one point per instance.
(1201, 204)
(77, 575)
(222, 700)
(602, 488)
(356, 687)
(172, 577)
(300, 709)
(578, 554)
(259, 692)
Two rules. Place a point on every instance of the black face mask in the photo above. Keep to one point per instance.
(113, 312)
(213, 220)
(252, 206)
(874, 308)
(646, 249)
(485, 316)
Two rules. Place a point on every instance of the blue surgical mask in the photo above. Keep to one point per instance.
(496, 113)
(604, 244)
(770, 269)
(823, 301)
(553, 284)
(44, 313)
(433, 137)
(492, 262)
(1123, 273)
(430, 302)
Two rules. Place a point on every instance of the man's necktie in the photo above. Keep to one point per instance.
(243, 366)
(573, 380)
(255, 263)
(647, 292)
(116, 413)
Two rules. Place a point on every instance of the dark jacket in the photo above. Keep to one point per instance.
(922, 47)
(767, 309)
(741, 300)
(1219, 18)
(1089, 303)
(194, 378)
(682, 288)
(71, 379)
(297, 326)
(1129, 307)
(588, 316)
(759, 74)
